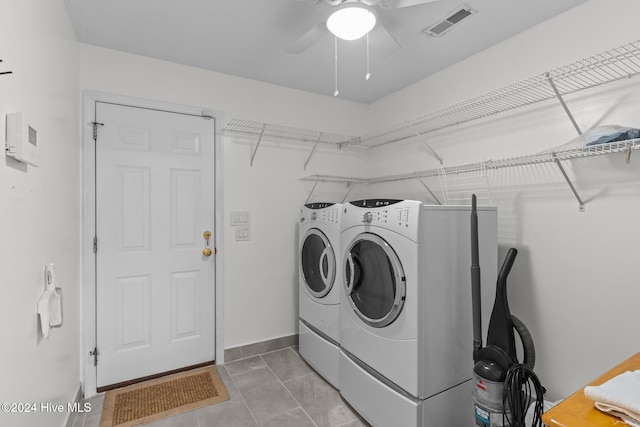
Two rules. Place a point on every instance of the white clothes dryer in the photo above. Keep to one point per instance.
(405, 321)
(319, 288)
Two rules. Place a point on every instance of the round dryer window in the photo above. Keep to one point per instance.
(374, 280)
(318, 263)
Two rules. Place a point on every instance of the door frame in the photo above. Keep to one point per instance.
(88, 371)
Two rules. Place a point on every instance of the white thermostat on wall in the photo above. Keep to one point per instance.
(21, 139)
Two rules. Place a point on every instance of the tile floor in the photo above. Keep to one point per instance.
(276, 389)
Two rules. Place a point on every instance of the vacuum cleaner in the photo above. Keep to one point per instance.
(504, 387)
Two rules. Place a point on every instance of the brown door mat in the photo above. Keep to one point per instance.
(162, 397)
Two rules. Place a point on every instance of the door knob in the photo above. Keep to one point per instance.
(207, 250)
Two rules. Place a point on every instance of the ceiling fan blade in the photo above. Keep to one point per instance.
(405, 3)
(308, 39)
(382, 42)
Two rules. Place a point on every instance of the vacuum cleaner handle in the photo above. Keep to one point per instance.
(506, 266)
(500, 332)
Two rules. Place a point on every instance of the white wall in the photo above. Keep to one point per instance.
(574, 283)
(260, 283)
(39, 213)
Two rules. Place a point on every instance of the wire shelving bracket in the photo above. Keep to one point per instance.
(253, 155)
(566, 178)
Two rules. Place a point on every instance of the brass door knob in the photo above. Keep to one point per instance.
(207, 252)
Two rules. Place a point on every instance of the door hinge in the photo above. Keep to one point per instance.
(94, 354)
(95, 129)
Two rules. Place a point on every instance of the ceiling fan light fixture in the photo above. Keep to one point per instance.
(351, 22)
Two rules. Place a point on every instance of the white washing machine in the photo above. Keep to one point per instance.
(406, 318)
(320, 286)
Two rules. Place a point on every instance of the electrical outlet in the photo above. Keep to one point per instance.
(243, 233)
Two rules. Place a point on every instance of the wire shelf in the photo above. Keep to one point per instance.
(566, 154)
(335, 179)
(459, 183)
(615, 64)
(266, 130)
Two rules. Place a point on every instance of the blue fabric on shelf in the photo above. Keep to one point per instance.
(611, 134)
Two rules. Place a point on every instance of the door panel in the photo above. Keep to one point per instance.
(318, 263)
(154, 199)
(374, 280)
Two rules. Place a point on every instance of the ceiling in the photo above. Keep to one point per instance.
(254, 38)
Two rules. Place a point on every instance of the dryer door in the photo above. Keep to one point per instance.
(317, 263)
(374, 280)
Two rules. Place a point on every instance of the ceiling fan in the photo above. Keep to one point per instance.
(378, 37)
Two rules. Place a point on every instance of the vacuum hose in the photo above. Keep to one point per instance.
(528, 347)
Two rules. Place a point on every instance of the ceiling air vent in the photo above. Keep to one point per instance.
(455, 17)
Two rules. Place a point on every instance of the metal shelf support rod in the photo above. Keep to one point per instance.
(430, 192)
(346, 195)
(429, 147)
(566, 177)
(564, 105)
(312, 151)
(315, 184)
(255, 150)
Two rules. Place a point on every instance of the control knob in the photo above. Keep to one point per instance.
(368, 217)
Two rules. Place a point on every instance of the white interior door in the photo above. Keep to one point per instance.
(155, 287)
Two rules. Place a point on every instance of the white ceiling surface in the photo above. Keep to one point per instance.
(250, 38)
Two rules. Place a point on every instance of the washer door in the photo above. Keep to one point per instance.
(374, 280)
(317, 263)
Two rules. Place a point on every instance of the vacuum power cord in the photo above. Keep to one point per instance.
(521, 388)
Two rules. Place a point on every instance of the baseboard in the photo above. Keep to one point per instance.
(249, 350)
(77, 397)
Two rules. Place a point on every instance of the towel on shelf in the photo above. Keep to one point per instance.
(620, 397)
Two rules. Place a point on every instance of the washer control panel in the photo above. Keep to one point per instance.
(400, 216)
(327, 213)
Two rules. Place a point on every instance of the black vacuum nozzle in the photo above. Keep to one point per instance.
(475, 281)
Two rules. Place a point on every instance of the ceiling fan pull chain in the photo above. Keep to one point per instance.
(335, 93)
(368, 75)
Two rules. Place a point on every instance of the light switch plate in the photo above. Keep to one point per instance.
(240, 218)
(243, 233)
